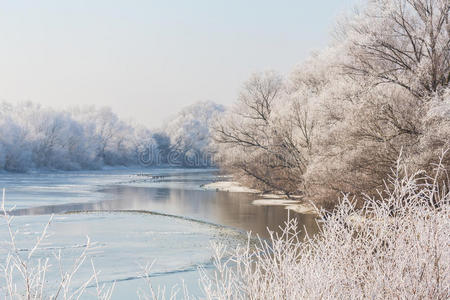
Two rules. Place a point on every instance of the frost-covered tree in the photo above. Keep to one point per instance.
(266, 136)
(342, 118)
(32, 136)
(404, 42)
(392, 67)
(189, 134)
(112, 136)
(15, 149)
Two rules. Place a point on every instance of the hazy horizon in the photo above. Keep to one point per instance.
(148, 59)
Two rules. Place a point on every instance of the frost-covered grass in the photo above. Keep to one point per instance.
(24, 273)
(395, 247)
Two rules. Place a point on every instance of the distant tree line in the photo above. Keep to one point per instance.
(37, 137)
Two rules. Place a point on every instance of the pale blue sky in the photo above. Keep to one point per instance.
(148, 59)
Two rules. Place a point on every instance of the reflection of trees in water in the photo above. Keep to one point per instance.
(230, 209)
(224, 208)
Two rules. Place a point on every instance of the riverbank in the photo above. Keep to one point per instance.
(295, 204)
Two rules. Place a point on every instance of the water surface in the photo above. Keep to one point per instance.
(136, 217)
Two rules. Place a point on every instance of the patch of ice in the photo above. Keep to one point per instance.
(274, 202)
(229, 186)
(303, 208)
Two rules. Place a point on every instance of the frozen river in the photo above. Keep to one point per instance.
(135, 217)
